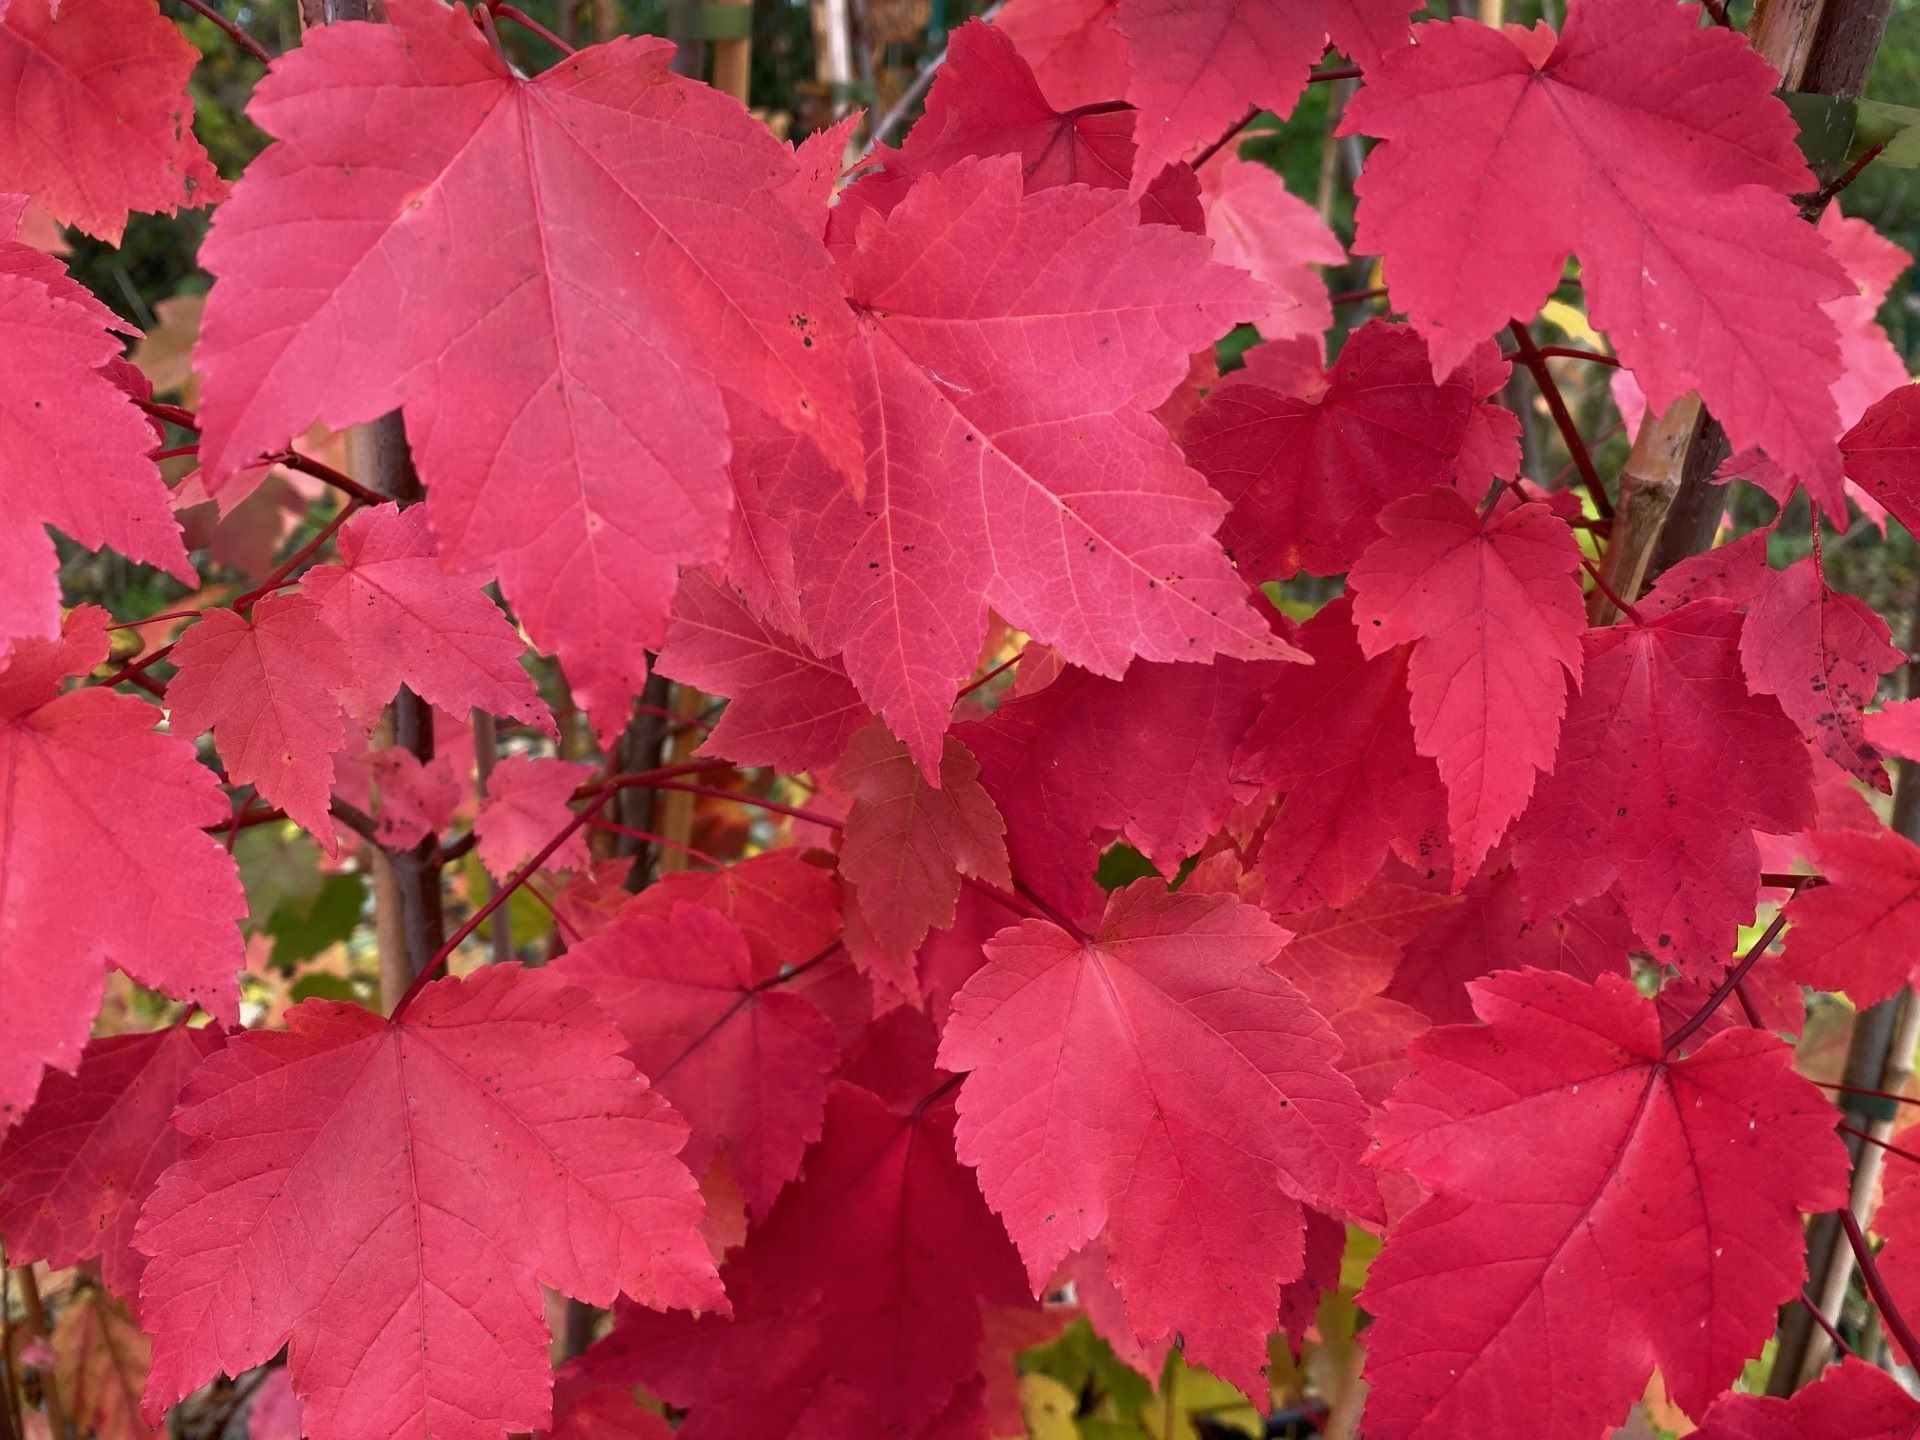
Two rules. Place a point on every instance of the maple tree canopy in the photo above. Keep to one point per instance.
(1201, 732)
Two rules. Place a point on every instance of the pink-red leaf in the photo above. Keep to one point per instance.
(1494, 614)
(1667, 767)
(1652, 147)
(98, 121)
(268, 685)
(526, 806)
(387, 1194)
(1077, 55)
(1882, 453)
(1157, 1086)
(1854, 1401)
(102, 860)
(1596, 1208)
(1255, 222)
(1859, 932)
(746, 1065)
(561, 395)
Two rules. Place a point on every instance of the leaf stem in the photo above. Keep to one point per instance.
(1727, 986)
(234, 33)
(1600, 584)
(1529, 355)
(293, 562)
(527, 22)
(1890, 1315)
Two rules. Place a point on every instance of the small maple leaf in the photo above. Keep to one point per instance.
(528, 803)
(788, 908)
(98, 121)
(1859, 932)
(1882, 453)
(388, 1195)
(1653, 148)
(1494, 613)
(745, 1064)
(1160, 1087)
(99, 1364)
(1852, 1401)
(1256, 223)
(1656, 1218)
(103, 860)
(269, 686)
(1077, 55)
(1667, 767)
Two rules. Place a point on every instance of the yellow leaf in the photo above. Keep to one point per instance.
(1048, 1407)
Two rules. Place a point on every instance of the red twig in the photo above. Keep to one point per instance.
(615, 828)
(1719, 13)
(345, 484)
(527, 22)
(716, 793)
(293, 562)
(1818, 200)
(132, 668)
(1233, 131)
(1890, 1315)
(239, 37)
(1600, 584)
(1887, 1145)
(1825, 1324)
(1866, 1090)
(1529, 355)
(1353, 297)
(1567, 352)
(172, 414)
(998, 670)
(1727, 986)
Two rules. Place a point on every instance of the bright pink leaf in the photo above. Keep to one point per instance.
(98, 121)
(1667, 768)
(1854, 1401)
(1335, 738)
(1255, 222)
(406, 1271)
(1652, 147)
(1307, 468)
(908, 845)
(414, 800)
(1494, 613)
(1077, 55)
(1859, 932)
(1198, 64)
(1736, 571)
(788, 907)
(1656, 1219)
(558, 393)
(746, 1065)
(786, 707)
(74, 1173)
(1882, 454)
(268, 685)
(526, 806)
(103, 860)
(1821, 654)
(999, 475)
(407, 621)
(1160, 1087)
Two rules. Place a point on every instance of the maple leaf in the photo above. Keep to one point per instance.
(74, 1172)
(275, 1413)
(1657, 152)
(1085, 762)
(1256, 223)
(1196, 65)
(1860, 931)
(787, 707)
(1657, 1219)
(986, 101)
(997, 477)
(414, 1181)
(415, 800)
(73, 448)
(908, 844)
(1852, 1401)
(560, 397)
(1736, 571)
(98, 121)
(1157, 1086)
(103, 860)
(1077, 55)
(407, 621)
(1335, 737)
(1821, 654)
(746, 1065)
(1494, 613)
(1308, 467)
(100, 1363)
(268, 684)
(788, 909)
(527, 805)
(1882, 453)
(1667, 767)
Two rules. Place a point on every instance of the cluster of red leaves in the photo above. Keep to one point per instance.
(844, 1124)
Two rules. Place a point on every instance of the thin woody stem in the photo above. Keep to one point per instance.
(1727, 986)
(234, 33)
(1600, 584)
(305, 553)
(1530, 356)
(1890, 1315)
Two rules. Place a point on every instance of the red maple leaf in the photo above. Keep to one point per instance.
(414, 1179)
(75, 1171)
(1821, 654)
(73, 448)
(1667, 767)
(405, 620)
(1159, 1087)
(103, 860)
(1335, 738)
(559, 395)
(528, 803)
(268, 684)
(413, 800)
(745, 1064)
(1860, 931)
(1882, 453)
(1655, 150)
(98, 120)
(1853, 1401)
(788, 908)
(1656, 1218)
(908, 844)
(1077, 55)
(1494, 613)
(996, 476)
(1196, 65)
(786, 708)
(1309, 461)
(1256, 223)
